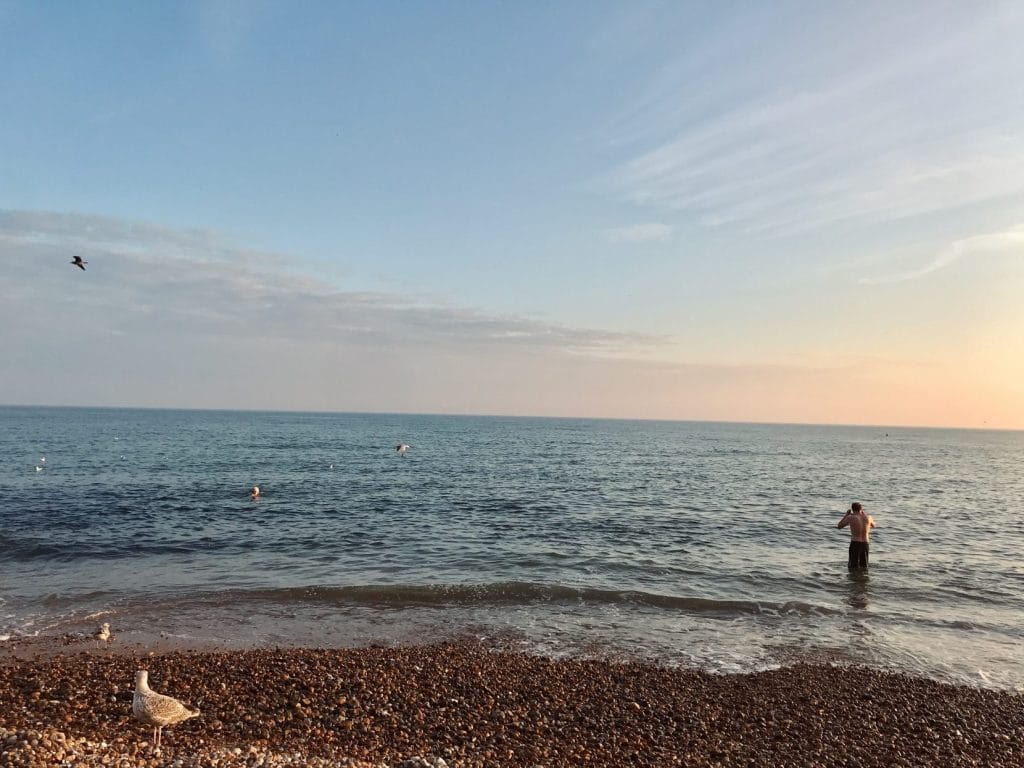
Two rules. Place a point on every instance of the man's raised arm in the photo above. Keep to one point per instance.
(846, 520)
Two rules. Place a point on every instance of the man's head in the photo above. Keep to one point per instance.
(856, 507)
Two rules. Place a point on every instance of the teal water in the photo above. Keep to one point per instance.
(688, 543)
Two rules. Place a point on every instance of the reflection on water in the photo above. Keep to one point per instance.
(857, 589)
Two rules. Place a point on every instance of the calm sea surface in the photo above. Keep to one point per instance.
(702, 544)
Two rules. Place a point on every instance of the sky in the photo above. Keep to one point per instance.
(775, 212)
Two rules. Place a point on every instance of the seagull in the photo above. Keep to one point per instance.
(77, 261)
(402, 448)
(102, 635)
(38, 468)
(42, 459)
(156, 709)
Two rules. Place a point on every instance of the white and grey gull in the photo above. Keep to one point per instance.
(156, 709)
(102, 635)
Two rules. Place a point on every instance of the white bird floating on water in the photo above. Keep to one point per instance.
(102, 635)
(38, 468)
(402, 448)
(156, 709)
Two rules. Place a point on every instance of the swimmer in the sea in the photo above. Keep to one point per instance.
(860, 524)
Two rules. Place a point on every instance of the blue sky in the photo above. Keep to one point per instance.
(779, 212)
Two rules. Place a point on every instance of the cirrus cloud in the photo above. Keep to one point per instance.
(1007, 241)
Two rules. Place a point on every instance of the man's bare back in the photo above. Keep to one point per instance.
(860, 525)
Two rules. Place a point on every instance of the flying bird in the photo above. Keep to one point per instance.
(77, 261)
(156, 709)
(402, 448)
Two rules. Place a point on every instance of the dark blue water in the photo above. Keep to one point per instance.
(693, 543)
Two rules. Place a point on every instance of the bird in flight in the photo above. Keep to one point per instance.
(77, 261)
(402, 448)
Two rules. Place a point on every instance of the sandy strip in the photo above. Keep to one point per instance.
(461, 704)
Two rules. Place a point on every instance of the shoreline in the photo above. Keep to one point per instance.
(467, 704)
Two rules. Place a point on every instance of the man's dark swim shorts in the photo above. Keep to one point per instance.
(858, 554)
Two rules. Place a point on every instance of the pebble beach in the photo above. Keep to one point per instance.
(463, 704)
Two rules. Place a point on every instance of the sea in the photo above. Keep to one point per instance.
(704, 545)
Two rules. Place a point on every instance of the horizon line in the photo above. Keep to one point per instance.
(511, 416)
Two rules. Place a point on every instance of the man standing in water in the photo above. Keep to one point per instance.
(860, 533)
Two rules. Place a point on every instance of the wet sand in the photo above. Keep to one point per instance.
(462, 704)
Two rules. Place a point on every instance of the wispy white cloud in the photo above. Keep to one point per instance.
(639, 233)
(926, 121)
(1007, 241)
(76, 230)
(157, 280)
(151, 325)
